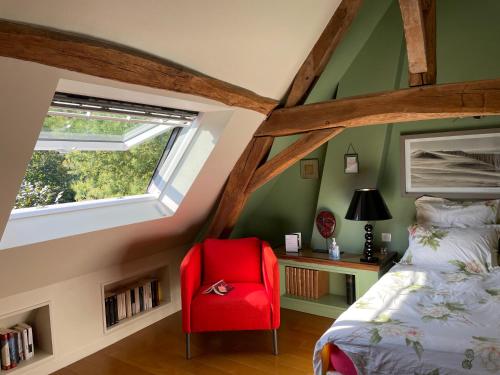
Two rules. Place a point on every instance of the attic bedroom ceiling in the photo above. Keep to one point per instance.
(255, 45)
(258, 45)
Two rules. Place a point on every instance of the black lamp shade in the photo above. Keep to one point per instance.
(367, 205)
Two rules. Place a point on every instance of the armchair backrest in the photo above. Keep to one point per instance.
(238, 260)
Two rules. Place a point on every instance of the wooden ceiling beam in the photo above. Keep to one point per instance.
(290, 155)
(319, 56)
(475, 98)
(419, 23)
(234, 195)
(237, 190)
(413, 25)
(103, 59)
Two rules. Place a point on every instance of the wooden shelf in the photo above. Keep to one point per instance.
(334, 303)
(40, 356)
(346, 260)
(127, 321)
(160, 273)
(38, 317)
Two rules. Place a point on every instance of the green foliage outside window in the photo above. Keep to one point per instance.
(54, 177)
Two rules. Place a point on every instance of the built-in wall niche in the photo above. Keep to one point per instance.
(38, 317)
(148, 291)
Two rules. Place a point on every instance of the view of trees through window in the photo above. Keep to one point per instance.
(54, 177)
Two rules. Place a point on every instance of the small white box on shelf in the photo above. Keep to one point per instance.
(293, 242)
(299, 238)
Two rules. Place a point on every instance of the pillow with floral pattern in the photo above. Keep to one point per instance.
(466, 249)
(446, 213)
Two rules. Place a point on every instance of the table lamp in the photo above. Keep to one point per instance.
(368, 205)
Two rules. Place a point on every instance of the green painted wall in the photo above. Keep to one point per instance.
(288, 203)
(468, 38)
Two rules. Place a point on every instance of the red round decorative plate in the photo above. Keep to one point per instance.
(325, 222)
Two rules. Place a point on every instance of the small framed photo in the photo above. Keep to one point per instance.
(351, 163)
(309, 168)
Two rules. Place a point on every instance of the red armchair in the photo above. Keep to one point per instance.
(254, 304)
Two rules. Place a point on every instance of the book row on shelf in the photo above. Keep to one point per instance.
(129, 301)
(307, 283)
(16, 345)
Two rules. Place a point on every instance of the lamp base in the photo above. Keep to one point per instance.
(369, 260)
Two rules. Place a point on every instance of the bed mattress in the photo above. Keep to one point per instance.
(422, 321)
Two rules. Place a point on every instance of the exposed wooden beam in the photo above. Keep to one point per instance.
(429, 21)
(234, 195)
(475, 98)
(413, 24)
(237, 190)
(290, 155)
(103, 59)
(319, 56)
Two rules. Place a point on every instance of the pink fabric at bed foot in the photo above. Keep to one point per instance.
(341, 362)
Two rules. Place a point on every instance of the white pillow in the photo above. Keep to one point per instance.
(468, 249)
(445, 213)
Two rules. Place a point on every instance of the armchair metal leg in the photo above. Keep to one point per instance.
(188, 346)
(275, 341)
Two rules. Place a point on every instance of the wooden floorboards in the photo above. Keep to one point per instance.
(159, 349)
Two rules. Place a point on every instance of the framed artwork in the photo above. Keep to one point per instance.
(351, 164)
(351, 161)
(454, 164)
(309, 168)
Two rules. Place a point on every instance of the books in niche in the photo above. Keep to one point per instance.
(16, 345)
(306, 283)
(350, 288)
(220, 288)
(131, 300)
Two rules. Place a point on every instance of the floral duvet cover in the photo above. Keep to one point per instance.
(422, 321)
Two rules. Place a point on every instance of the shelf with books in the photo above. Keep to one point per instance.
(130, 298)
(311, 282)
(37, 346)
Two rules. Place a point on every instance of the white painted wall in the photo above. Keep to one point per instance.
(29, 85)
(76, 310)
(68, 271)
(257, 44)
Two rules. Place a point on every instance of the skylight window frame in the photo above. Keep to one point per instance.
(173, 152)
(165, 167)
(152, 120)
(193, 148)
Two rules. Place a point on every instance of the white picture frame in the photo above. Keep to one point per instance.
(351, 163)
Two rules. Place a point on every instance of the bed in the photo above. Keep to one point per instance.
(435, 313)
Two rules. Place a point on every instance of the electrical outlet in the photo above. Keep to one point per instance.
(386, 237)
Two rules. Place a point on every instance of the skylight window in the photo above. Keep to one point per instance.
(92, 148)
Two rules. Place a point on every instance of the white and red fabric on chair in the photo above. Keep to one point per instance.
(251, 267)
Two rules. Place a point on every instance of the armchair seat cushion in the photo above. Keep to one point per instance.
(246, 307)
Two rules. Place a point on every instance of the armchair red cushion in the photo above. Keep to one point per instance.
(250, 266)
(235, 261)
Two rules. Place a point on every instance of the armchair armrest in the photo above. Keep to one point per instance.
(190, 283)
(271, 276)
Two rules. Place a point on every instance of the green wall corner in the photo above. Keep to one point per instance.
(372, 58)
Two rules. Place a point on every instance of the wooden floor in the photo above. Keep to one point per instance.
(159, 349)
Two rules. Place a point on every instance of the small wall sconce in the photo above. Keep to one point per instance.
(351, 161)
